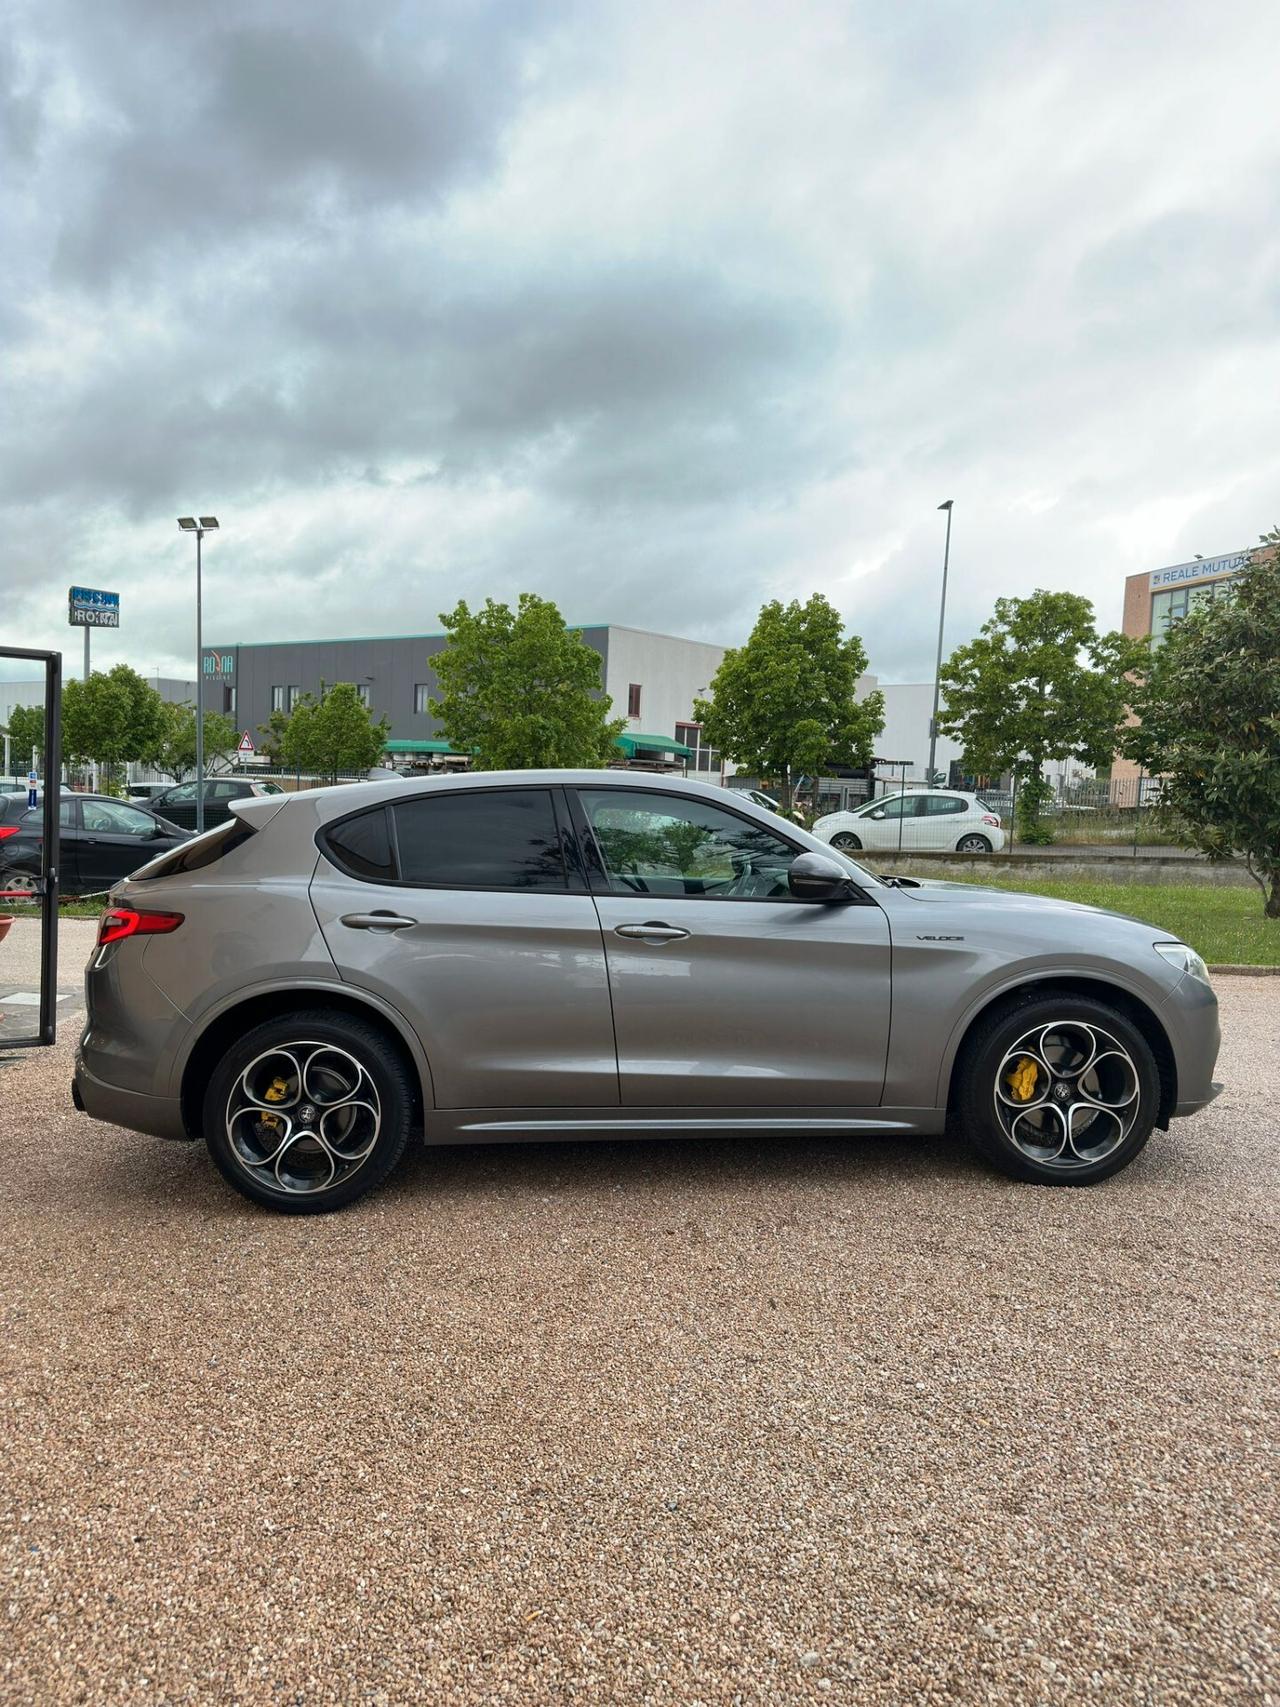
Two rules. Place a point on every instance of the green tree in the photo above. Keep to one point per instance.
(520, 690)
(784, 703)
(174, 753)
(25, 731)
(1038, 682)
(110, 719)
(1210, 722)
(334, 736)
(273, 733)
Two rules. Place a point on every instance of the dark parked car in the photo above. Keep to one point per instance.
(102, 841)
(178, 804)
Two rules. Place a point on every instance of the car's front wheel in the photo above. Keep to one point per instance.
(973, 845)
(308, 1112)
(18, 885)
(846, 841)
(1060, 1090)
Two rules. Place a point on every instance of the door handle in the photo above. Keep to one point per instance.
(377, 921)
(653, 931)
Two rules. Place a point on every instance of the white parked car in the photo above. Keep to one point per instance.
(934, 820)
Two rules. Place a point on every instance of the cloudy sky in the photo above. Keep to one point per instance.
(660, 310)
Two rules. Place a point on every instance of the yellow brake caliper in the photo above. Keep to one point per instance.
(276, 1091)
(1021, 1081)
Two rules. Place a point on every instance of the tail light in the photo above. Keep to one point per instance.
(988, 819)
(7, 830)
(119, 922)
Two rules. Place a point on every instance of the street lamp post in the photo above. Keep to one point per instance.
(937, 670)
(200, 527)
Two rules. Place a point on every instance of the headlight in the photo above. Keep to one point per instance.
(1184, 958)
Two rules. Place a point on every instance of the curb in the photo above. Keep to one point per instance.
(1245, 971)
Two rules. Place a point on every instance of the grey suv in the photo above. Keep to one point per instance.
(589, 953)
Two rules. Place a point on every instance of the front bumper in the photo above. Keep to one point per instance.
(1190, 1016)
(160, 1117)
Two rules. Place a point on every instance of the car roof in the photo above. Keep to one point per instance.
(337, 800)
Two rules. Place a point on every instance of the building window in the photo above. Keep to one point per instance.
(421, 694)
(362, 692)
(704, 758)
(229, 698)
(633, 700)
(1167, 608)
(291, 697)
(277, 699)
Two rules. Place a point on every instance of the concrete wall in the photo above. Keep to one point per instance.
(1090, 868)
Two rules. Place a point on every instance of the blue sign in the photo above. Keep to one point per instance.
(90, 607)
(1202, 568)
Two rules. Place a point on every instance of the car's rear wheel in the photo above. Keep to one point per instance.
(308, 1112)
(1058, 1090)
(973, 845)
(846, 841)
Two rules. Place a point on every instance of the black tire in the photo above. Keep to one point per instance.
(373, 1141)
(846, 841)
(973, 844)
(988, 1116)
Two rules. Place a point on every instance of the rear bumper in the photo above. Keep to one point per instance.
(1194, 1107)
(160, 1117)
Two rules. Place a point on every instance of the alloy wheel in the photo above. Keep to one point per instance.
(973, 844)
(18, 884)
(302, 1117)
(846, 842)
(1067, 1094)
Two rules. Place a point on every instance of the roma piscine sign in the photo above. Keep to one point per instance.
(91, 607)
(1200, 570)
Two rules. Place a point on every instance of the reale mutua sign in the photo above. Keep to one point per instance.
(90, 607)
(1202, 569)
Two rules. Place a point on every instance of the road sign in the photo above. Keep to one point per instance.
(246, 744)
(90, 607)
(33, 779)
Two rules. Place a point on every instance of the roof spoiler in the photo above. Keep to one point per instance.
(258, 811)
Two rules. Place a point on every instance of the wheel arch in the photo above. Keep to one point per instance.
(231, 1022)
(1139, 1013)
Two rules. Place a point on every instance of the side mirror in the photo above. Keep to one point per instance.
(813, 877)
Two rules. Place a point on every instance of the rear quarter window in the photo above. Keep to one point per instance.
(362, 846)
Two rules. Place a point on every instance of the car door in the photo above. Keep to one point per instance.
(889, 824)
(115, 839)
(25, 848)
(178, 805)
(490, 947)
(727, 992)
(218, 798)
(945, 820)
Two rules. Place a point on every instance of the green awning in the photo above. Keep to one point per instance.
(633, 744)
(421, 747)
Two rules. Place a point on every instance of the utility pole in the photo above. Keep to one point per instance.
(937, 671)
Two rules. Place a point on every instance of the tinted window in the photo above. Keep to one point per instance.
(362, 846)
(506, 839)
(196, 854)
(936, 804)
(229, 790)
(34, 818)
(177, 796)
(113, 818)
(655, 844)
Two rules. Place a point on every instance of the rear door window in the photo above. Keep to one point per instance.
(937, 804)
(493, 839)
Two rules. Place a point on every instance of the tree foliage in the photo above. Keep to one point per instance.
(334, 736)
(25, 731)
(1210, 721)
(111, 719)
(1037, 682)
(784, 703)
(520, 690)
(174, 753)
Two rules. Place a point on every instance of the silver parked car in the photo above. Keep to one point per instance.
(590, 953)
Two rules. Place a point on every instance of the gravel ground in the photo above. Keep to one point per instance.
(655, 1423)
